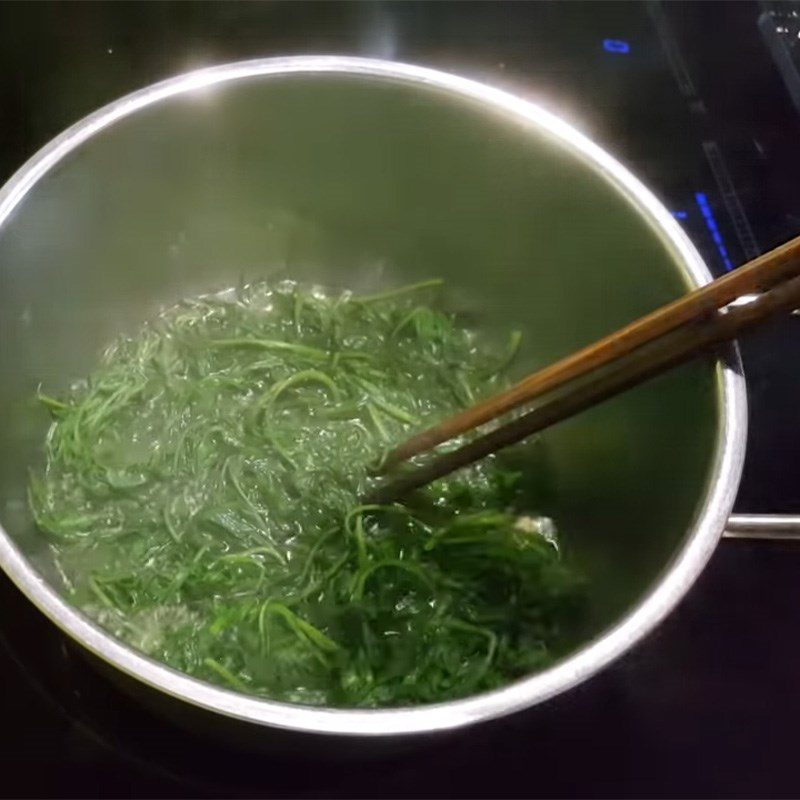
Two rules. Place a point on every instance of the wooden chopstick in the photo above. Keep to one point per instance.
(756, 276)
(639, 363)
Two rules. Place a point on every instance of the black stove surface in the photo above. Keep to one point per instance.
(702, 101)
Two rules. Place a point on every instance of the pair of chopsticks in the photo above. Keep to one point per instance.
(666, 337)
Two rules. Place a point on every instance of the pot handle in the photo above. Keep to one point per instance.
(763, 526)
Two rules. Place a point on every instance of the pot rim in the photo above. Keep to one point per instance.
(701, 538)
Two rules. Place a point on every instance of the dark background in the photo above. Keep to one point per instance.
(690, 97)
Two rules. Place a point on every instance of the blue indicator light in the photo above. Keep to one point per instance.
(713, 228)
(679, 214)
(619, 46)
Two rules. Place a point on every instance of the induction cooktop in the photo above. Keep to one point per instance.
(702, 101)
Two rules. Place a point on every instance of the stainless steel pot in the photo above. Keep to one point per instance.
(358, 173)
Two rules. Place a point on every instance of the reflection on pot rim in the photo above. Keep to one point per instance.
(686, 566)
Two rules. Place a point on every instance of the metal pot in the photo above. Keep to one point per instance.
(361, 173)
